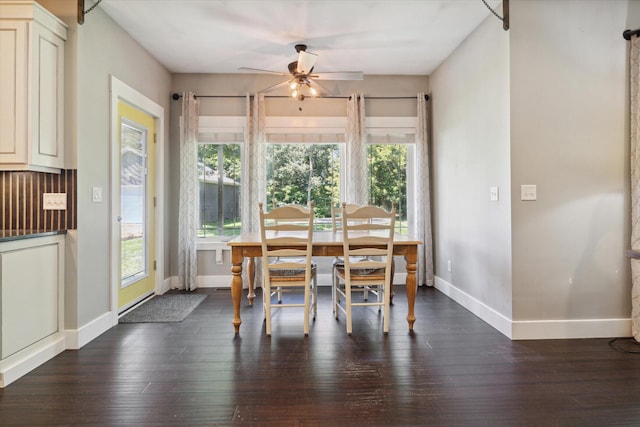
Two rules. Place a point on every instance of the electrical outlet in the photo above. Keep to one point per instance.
(54, 201)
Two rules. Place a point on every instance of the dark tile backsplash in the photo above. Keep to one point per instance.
(22, 211)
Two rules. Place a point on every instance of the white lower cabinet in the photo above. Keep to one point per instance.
(31, 286)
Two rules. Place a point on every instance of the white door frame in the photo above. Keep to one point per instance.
(122, 92)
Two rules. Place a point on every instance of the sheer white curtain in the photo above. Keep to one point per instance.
(423, 194)
(634, 73)
(188, 197)
(357, 189)
(253, 171)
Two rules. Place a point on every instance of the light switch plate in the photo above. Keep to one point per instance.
(493, 193)
(96, 194)
(54, 201)
(528, 192)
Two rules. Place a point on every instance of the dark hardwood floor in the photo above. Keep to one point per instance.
(454, 370)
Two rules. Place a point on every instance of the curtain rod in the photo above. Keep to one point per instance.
(176, 96)
(627, 34)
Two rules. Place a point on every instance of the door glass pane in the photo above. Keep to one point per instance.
(133, 189)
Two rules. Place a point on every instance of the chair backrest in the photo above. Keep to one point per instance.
(336, 214)
(371, 238)
(286, 234)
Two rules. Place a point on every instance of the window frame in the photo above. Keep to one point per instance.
(398, 130)
(208, 129)
(310, 130)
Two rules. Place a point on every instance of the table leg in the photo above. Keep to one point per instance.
(411, 258)
(251, 267)
(236, 286)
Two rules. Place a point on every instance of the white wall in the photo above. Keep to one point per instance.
(470, 102)
(97, 49)
(568, 136)
(565, 119)
(104, 49)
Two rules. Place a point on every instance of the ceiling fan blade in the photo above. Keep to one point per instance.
(306, 61)
(344, 75)
(322, 91)
(275, 86)
(263, 71)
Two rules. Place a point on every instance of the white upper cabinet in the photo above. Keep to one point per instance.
(31, 87)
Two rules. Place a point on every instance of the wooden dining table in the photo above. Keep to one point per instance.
(326, 244)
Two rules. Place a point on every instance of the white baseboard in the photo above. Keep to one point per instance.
(559, 329)
(165, 285)
(77, 338)
(27, 359)
(536, 329)
(477, 307)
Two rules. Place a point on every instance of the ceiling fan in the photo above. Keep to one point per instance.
(302, 78)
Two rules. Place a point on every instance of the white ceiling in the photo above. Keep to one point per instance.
(408, 37)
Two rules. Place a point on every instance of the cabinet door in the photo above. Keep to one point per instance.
(30, 301)
(47, 99)
(13, 91)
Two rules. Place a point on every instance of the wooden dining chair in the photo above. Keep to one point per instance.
(373, 240)
(286, 235)
(338, 262)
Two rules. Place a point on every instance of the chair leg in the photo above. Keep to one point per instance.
(348, 307)
(333, 288)
(307, 307)
(267, 308)
(315, 295)
(387, 300)
(336, 297)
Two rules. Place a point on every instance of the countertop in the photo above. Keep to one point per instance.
(11, 235)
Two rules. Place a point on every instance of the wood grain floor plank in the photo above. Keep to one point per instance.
(453, 370)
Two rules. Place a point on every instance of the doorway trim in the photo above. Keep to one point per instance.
(122, 92)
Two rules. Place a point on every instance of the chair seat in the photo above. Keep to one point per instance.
(293, 272)
(339, 261)
(363, 273)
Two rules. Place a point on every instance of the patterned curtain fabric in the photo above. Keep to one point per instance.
(423, 194)
(255, 161)
(357, 189)
(188, 198)
(634, 73)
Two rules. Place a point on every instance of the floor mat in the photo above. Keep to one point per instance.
(164, 308)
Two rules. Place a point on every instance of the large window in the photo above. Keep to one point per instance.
(305, 160)
(387, 170)
(299, 173)
(220, 142)
(391, 167)
(219, 175)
